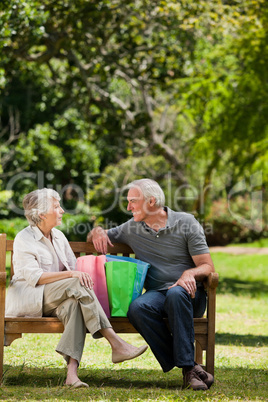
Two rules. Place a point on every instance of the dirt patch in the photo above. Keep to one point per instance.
(240, 250)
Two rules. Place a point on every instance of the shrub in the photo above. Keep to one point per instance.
(234, 223)
(75, 227)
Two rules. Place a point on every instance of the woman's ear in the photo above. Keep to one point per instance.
(152, 201)
(42, 216)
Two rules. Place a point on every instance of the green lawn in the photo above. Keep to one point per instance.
(258, 243)
(33, 371)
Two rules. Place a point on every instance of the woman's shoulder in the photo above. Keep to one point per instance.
(59, 234)
(24, 239)
(24, 233)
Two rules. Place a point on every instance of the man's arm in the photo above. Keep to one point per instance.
(99, 237)
(204, 266)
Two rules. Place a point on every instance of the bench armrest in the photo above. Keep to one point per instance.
(212, 280)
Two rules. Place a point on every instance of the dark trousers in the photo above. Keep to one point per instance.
(174, 346)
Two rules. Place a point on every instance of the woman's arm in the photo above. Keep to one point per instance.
(50, 277)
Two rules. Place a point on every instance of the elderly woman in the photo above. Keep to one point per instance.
(45, 282)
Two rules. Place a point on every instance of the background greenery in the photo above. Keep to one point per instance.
(34, 371)
(96, 93)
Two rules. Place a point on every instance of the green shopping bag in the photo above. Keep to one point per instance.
(120, 277)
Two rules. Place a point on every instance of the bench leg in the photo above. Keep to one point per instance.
(1, 357)
(210, 361)
(198, 353)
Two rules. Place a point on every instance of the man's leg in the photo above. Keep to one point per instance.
(179, 309)
(146, 315)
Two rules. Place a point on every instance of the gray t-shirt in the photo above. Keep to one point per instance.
(168, 251)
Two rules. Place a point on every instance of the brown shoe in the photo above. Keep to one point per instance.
(206, 377)
(191, 380)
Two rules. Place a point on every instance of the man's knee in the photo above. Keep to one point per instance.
(134, 309)
(177, 295)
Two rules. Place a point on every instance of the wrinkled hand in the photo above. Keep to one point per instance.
(100, 240)
(85, 279)
(187, 282)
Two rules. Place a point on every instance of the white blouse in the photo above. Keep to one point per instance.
(34, 254)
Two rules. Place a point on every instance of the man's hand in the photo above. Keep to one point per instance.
(187, 282)
(98, 236)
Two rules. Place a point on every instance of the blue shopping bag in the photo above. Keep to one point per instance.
(142, 268)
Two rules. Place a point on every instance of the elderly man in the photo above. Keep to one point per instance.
(175, 246)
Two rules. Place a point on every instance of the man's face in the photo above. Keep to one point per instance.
(137, 205)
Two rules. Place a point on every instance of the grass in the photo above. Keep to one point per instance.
(258, 243)
(33, 371)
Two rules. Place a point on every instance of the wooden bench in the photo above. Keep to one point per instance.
(13, 328)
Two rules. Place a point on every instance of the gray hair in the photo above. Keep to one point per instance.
(149, 188)
(38, 202)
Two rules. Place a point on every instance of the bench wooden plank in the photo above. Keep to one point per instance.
(12, 328)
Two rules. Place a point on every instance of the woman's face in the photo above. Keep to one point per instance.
(54, 216)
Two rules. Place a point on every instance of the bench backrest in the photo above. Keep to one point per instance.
(79, 248)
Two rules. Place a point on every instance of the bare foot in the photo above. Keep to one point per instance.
(71, 379)
(127, 352)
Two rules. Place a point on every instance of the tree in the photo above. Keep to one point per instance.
(125, 81)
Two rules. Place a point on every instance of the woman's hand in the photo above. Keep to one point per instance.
(85, 279)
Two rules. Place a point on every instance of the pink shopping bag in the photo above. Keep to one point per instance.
(94, 266)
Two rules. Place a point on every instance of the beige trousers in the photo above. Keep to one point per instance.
(79, 310)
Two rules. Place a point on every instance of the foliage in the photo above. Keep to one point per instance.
(75, 227)
(12, 227)
(234, 221)
(87, 85)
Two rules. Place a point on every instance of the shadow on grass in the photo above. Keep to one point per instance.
(131, 384)
(238, 287)
(124, 378)
(241, 340)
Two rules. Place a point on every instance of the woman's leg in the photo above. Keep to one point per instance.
(121, 350)
(79, 309)
(72, 340)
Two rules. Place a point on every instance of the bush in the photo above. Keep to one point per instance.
(75, 227)
(12, 226)
(234, 223)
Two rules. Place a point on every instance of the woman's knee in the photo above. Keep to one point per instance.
(66, 309)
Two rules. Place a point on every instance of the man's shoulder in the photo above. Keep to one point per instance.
(122, 226)
(179, 216)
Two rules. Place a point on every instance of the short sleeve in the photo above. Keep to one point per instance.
(197, 243)
(117, 234)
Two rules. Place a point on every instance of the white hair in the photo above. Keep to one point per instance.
(149, 188)
(38, 202)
